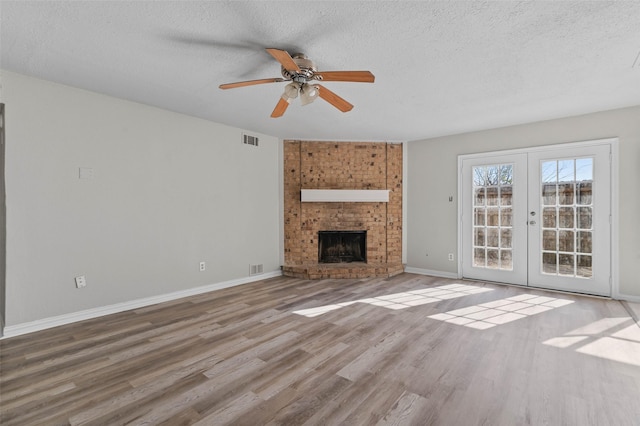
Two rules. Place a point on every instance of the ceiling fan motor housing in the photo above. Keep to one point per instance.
(307, 69)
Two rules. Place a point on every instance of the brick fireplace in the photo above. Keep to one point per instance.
(353, 166)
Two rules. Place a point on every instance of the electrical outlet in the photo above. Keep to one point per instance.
(81, 281)
(203, 266)
(451, 257)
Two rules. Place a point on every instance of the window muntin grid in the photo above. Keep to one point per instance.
(567, 217)
(493, 216)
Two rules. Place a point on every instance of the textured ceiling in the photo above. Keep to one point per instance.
(441, 67)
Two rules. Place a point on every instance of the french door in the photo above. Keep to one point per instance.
(494, 199)
(539, 218)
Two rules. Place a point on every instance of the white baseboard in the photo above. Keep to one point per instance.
(431, 272)
(627, 297)
(42, 324)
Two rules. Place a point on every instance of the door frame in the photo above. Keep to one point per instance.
(614, 196)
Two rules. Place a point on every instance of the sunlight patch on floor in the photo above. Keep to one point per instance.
(403, 300)
(615, 339)
(497, 312)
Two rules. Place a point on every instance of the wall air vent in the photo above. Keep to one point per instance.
(255, 269)
(249, 140)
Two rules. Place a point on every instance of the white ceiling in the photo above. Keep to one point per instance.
(441, 67)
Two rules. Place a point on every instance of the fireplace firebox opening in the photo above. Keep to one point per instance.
(342, 246)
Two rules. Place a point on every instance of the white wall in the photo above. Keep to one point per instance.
(169, 191)
(3, 227)
(432, 179)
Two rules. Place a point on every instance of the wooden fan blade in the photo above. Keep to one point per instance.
(285, 59)
(250, 83)
(280, 108)
(334, 99)
(354, 76)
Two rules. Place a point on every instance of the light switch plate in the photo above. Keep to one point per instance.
(85, 173)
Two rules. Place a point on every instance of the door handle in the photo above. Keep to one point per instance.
(533, 222)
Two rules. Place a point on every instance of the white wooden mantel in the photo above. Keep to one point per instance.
(344, 195)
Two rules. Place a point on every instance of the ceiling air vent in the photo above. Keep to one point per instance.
(249, 140)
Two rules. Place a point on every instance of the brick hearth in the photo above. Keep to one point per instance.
(329, 165)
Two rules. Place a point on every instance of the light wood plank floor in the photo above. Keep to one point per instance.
(405, 350)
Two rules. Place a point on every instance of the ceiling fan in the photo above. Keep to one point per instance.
(301, 71)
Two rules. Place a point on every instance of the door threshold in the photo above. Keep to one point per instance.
(573, 293)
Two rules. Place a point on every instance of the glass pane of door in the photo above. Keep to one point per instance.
(492, 216)
(566, 189)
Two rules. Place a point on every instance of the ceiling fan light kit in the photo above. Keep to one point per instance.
(300, 71)
(308, 94)
(291, 91)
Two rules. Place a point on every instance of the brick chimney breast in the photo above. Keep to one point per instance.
(345, 165)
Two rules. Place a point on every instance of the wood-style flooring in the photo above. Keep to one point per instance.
(408, 350)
